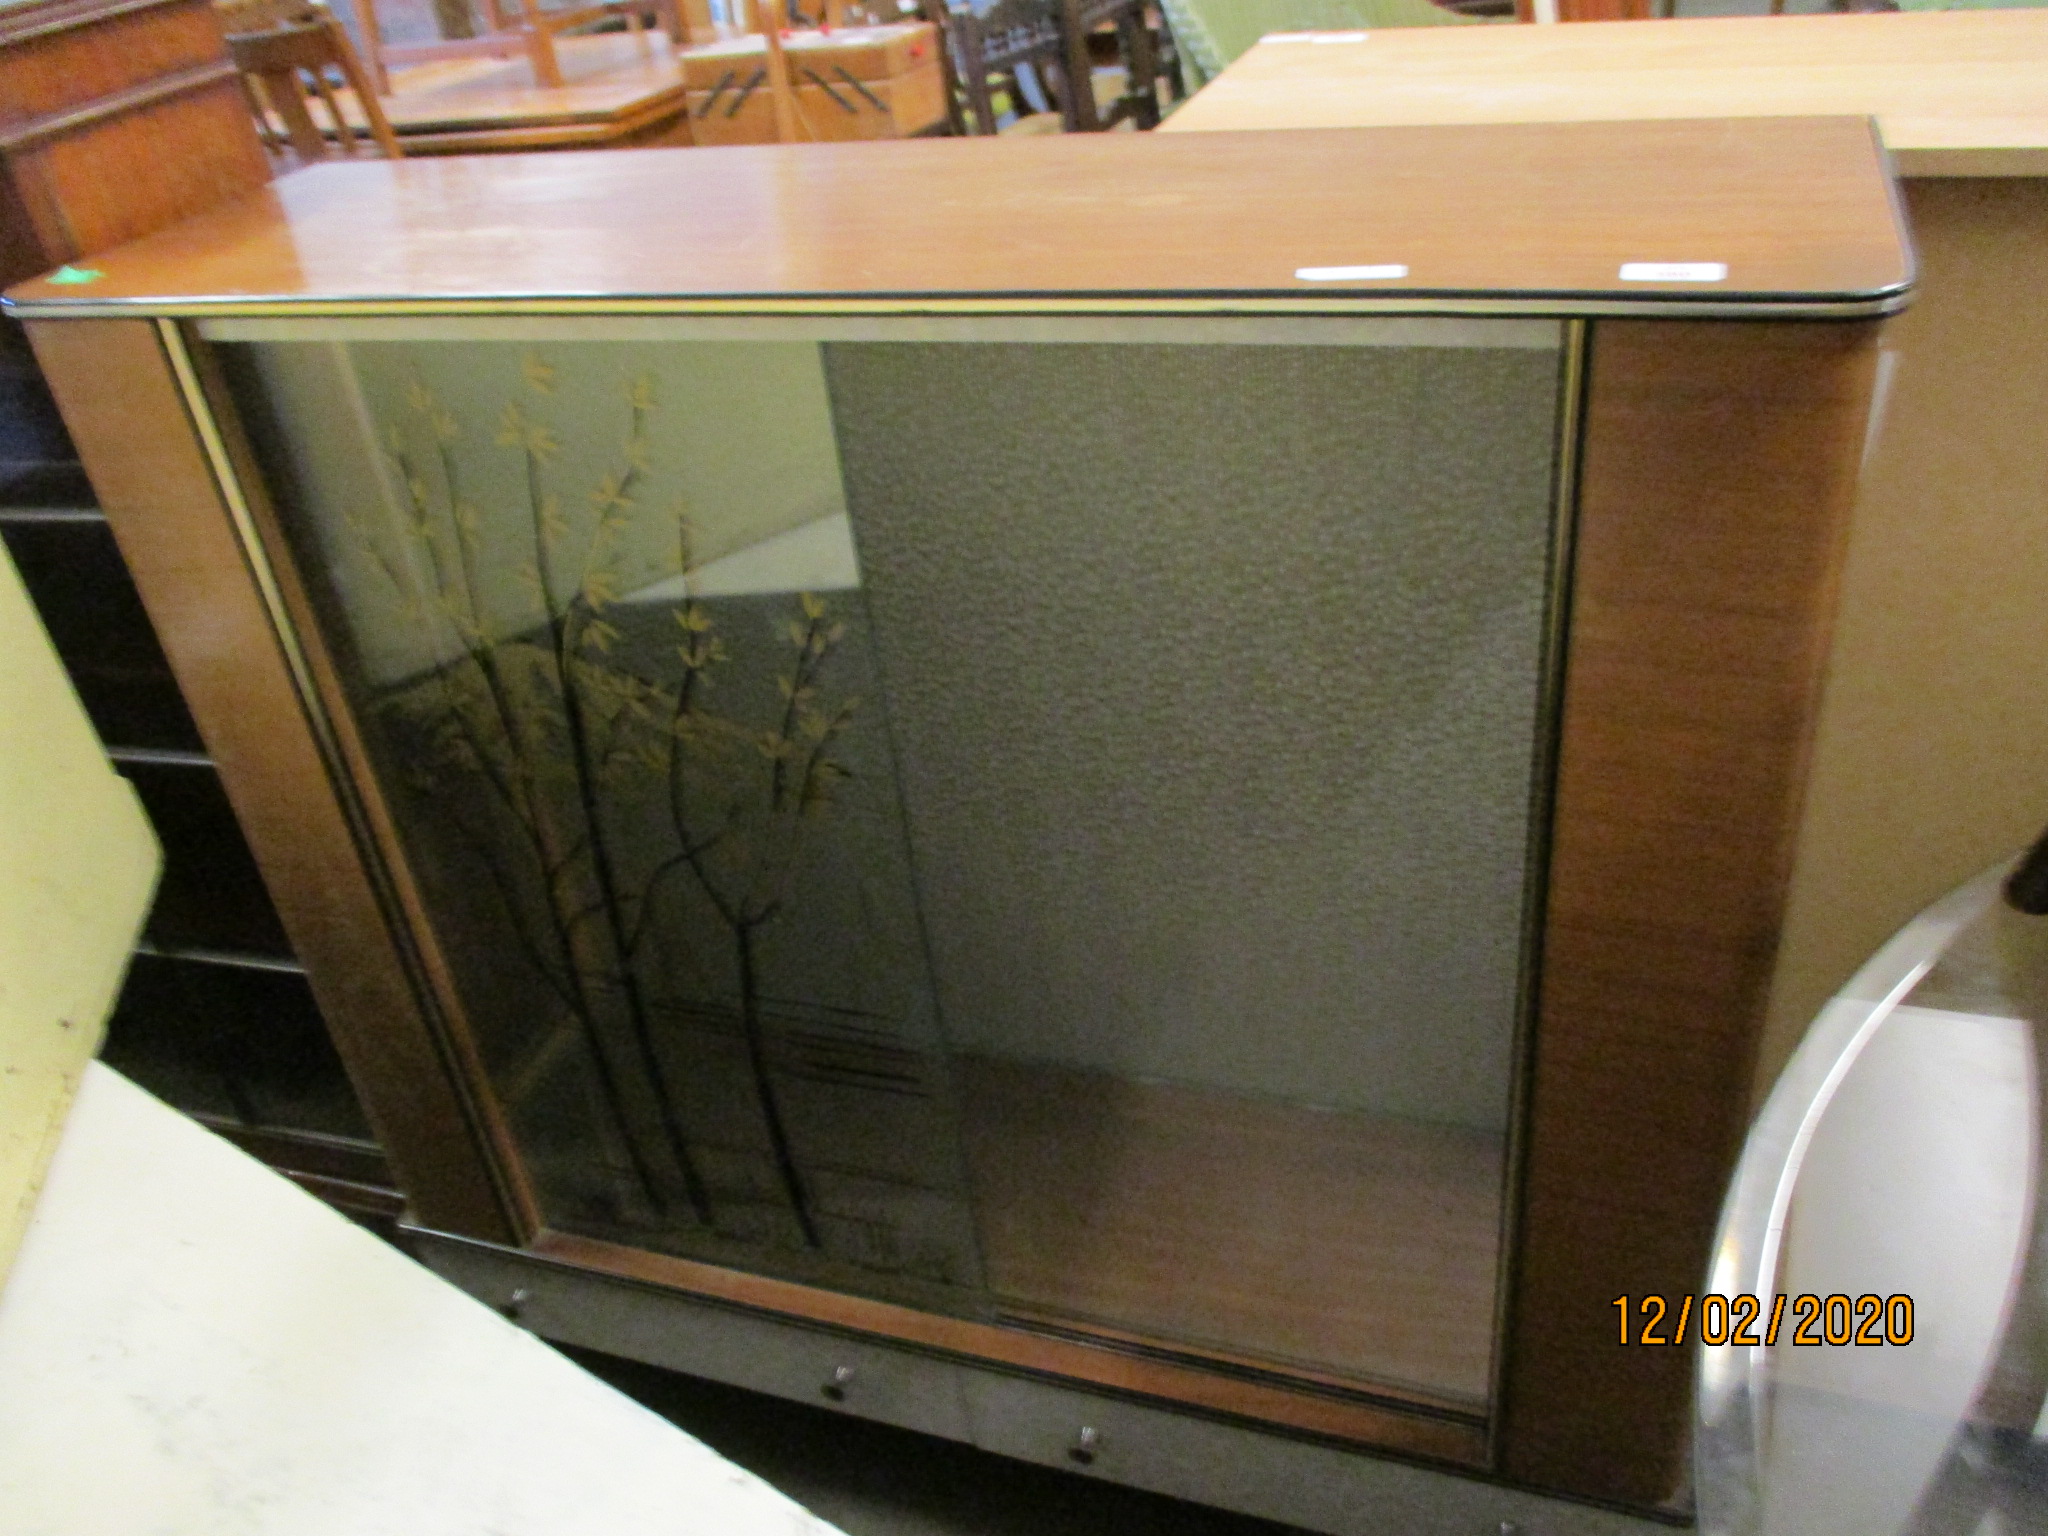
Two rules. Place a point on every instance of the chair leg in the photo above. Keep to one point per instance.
(790, 124)
(1077, 76)
(259, 109)
(1141, 67)
(287, 99)
(366, 97)
(344, 136)
(536, 40)
(636, 28)
(975, 84)
(948, 35)
(373, 44)
(1168, 48)
(540, 53)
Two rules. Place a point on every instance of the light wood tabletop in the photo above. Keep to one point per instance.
(1792, 215)
(1956, 93)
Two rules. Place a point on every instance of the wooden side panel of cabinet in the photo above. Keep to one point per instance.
(122, 403)
(1718, 464)
(116, 118)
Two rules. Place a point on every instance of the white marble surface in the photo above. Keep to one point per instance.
(189, 1344)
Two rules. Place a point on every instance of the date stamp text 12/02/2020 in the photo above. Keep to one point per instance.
(1815, 1320)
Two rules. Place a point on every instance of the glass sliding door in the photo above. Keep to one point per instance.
(1214, 672)
(602, 626)
(1026, 816)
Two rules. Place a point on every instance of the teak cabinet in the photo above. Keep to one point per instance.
(1123, 797)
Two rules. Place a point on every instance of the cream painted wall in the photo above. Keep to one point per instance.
(78, 864)
(1931, 755)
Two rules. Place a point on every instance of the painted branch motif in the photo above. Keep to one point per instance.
(543, 719)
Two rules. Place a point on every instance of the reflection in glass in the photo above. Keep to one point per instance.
(1096, 904)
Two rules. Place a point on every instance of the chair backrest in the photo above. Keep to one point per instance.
(995, 39)
(1145, 54)
(288, 64)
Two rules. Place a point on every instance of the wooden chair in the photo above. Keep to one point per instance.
(1058, 40)
(1139, 39)
(994, 42)
(287, 63)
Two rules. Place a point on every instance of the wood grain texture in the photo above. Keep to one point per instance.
(1798, 209)
(122, 405)
(147, 93)
(101, 56)
(115, 120)
(1603, 10)
(1427, 1437)
(1718, 468)
(29, 19)
(1956, 93)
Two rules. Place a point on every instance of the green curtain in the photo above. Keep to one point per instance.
(1213, 32)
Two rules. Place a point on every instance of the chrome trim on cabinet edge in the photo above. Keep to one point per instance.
(1664, 306)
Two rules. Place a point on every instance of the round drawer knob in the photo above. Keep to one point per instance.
(836, 1384)
(1086, 1443)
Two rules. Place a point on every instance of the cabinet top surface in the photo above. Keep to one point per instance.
(1540, 217)
(1954, 92)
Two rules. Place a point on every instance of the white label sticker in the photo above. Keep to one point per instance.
(1315, 37)
(1349, 274)
(1673, 271)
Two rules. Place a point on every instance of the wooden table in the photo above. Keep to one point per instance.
(616, 93)
(1958, 93)
(1931, 753)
